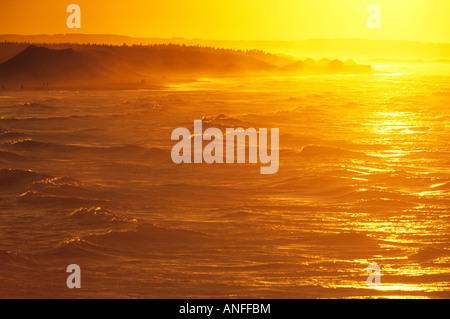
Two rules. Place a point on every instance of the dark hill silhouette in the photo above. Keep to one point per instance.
(93, 65)
(37, 64)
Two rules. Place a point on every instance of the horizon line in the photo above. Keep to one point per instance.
(222, 40)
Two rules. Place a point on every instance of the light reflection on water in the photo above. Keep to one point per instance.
(364, 178)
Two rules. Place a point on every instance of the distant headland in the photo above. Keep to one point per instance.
(51, 65)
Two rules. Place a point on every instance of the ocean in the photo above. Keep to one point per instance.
(86, 178)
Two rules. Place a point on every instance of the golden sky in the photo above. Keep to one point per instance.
(417, 20)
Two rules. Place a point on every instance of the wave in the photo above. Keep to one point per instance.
(15, 259)
(406, 181)
(429, 154)
(220, 118)
(351, 105)
(50, 118)
(295, 140)
(388, 205)
(441, 186)
(77, 247)
(123, 151)
(135, 152)
(149, 233)
(28, 144)
(346, 245)
(36, 198)
(28, 105)
(33, 188)
(64, 186)
(441, 93)
(347, 239)
(11, 178)
(11, 157)
(315, 183)
(419, 128)
(429, 254)
(145, 238)
(5, 135)
(99, 216)
(328, 151)
(222, 122)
